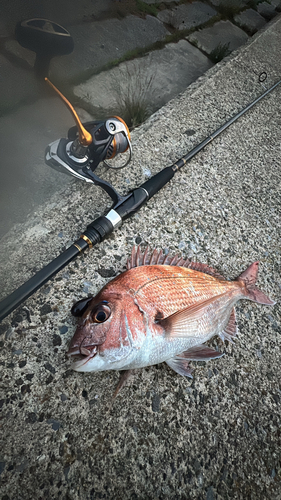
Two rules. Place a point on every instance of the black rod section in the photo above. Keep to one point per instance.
(180, 163)
(22, 293)
(94, 234)
(102, 227)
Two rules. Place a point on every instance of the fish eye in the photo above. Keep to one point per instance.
(101, 313)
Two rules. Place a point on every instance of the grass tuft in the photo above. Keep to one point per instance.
(229, 8)
(221, 51)
(131, 91)
(146, 9)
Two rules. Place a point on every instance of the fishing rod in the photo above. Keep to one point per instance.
(86, 146)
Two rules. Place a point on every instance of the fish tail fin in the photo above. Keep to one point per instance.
(249, 278)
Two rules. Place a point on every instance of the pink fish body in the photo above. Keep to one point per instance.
(160, 309)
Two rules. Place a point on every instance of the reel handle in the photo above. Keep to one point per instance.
(46, 38)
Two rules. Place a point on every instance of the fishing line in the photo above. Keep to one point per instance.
(261, 75)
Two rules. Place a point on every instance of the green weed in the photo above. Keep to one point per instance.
(146, 9)
(131, 91)
(228, 8)
(219, 52)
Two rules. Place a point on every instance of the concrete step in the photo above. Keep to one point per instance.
(100, 43)
(149, 82)
(187, 16)
(250, 20)
(223, 33)
(269, 9)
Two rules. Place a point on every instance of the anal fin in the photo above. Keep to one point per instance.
(231, 329)
(180, 365)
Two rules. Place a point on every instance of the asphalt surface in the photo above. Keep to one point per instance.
(218, 436)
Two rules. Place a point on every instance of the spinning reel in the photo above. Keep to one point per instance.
(87, 145)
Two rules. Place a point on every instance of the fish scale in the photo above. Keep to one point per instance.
(164, 287)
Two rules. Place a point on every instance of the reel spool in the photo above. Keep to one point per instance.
(120, 144)
(96, 141)
(109, 139)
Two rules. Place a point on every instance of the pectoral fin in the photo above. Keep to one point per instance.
(202, 352)
(124, 376)
(185, 323)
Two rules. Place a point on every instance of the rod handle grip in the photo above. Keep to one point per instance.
(155, 183)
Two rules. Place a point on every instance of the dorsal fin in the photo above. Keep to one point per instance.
(158, 258)
(204, 268)
(154, 258)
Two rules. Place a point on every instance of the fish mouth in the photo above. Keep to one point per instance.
(79, 356)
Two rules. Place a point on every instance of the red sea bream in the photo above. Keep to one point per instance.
(160, 309)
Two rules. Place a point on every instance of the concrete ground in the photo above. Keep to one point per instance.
(104, 34)
(216, 437)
